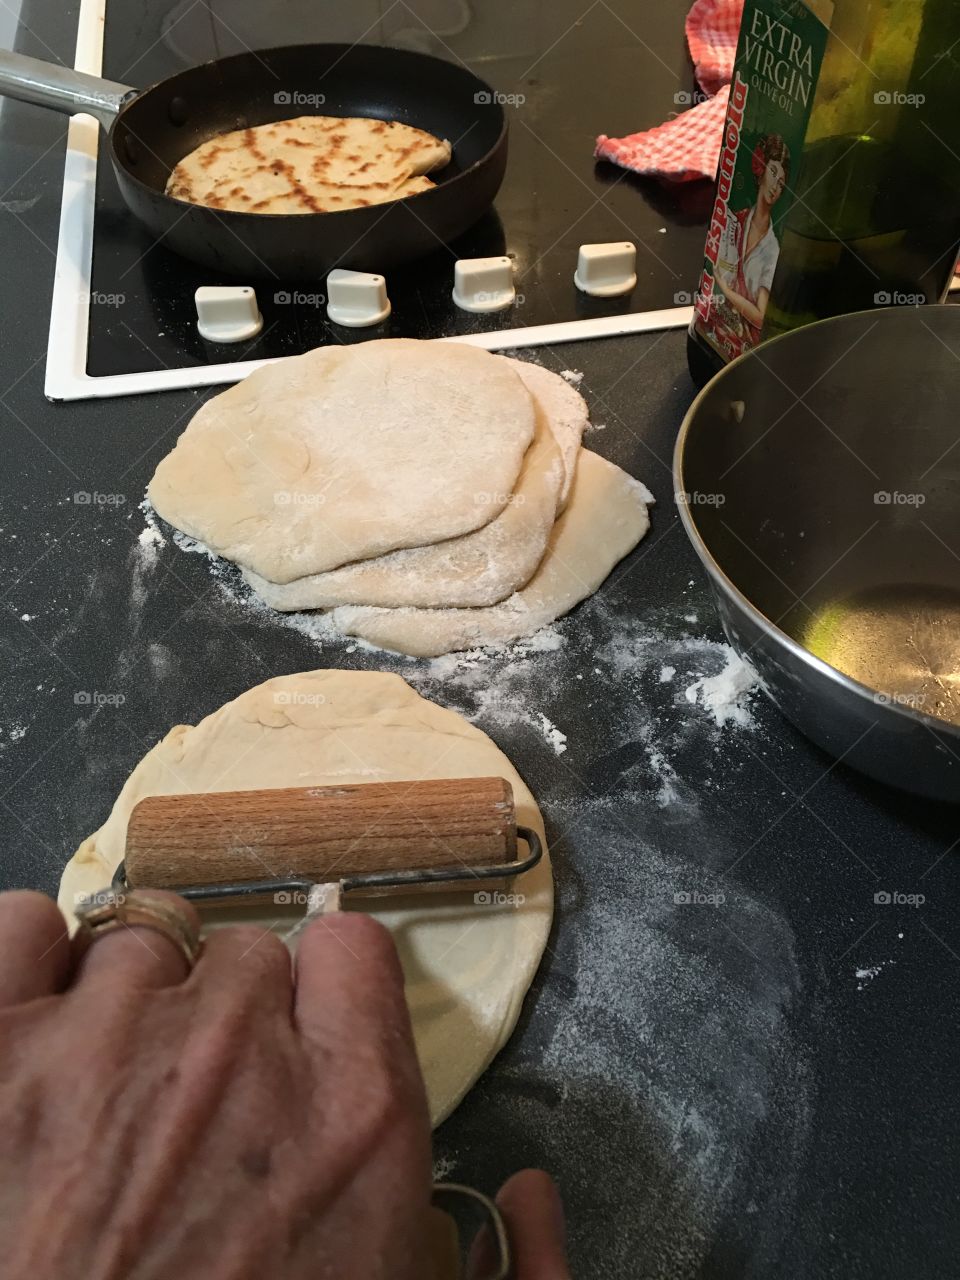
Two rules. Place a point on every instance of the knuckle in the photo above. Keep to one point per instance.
(253, 950)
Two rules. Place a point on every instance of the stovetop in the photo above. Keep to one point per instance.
(573, 73)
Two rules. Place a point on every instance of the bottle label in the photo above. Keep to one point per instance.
(775, 73)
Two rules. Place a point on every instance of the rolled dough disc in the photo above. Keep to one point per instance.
(605, 519)
(566, 409)
(346, 453)
(479, 568)
(467, 966)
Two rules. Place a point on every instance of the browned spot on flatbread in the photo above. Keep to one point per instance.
(250, 142)
(297, 189)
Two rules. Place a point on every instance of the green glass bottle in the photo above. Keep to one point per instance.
(839, 179)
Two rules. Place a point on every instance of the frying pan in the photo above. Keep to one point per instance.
(151, 130)
(817, 478)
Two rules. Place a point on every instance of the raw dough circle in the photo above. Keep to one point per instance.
(467, 966)
(347, 453)
(566, 410)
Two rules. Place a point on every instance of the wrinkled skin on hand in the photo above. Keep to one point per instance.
(248, 1120)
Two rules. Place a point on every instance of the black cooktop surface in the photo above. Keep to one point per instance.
(569, 73)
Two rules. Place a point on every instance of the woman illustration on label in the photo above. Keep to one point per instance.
(746, 286)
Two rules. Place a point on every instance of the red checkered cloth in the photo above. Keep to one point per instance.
(712, 28)
(688, 146)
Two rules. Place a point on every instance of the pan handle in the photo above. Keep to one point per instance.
(47, 84)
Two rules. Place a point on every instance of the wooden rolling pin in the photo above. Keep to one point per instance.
(319, 833)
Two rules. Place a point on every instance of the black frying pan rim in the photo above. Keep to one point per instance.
(242, 215)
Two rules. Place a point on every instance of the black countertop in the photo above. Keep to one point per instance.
(758, 1087)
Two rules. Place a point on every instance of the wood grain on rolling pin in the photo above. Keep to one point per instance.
(321, 833)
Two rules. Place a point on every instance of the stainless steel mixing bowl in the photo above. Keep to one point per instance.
(818, 479)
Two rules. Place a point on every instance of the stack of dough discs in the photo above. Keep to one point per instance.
(467, 963)
(432, 495)
(347, 453)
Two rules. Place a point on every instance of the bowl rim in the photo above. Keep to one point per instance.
(823, 668)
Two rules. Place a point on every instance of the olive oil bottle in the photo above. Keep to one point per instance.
(838, 187)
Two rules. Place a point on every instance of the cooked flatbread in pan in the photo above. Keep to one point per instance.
(313, 164)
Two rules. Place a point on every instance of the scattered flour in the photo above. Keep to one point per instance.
(186, 543)
(18, 206)
(547, 640)
(27, 617)
(152, 521)
(866, 975)
(504, 688)
(151, 539)
(726, 695)
(685, 1058)
(17, 732)
(443, 1166)
(566, 668)
(668, 791)
(161, 660)
(573, 376)
(556, 739)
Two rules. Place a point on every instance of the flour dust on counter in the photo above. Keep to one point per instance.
(866, 975)
(546, 686)
(726, 695)
(671, 1035)
(150, 542)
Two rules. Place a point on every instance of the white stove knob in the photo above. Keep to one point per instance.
(356, 298)
(227, 313)
(483, 284)
(606, 270)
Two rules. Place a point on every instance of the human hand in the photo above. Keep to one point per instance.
(243, 1119)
